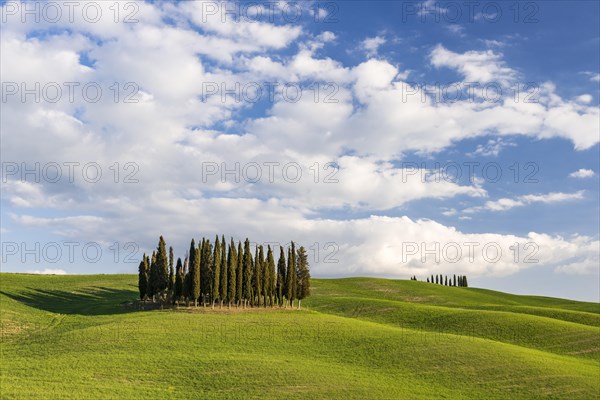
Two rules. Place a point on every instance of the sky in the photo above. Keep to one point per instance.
(390, 138)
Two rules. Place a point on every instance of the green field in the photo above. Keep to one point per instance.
(79, 337)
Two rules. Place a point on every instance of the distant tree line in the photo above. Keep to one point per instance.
(220, 273)
(460, 280)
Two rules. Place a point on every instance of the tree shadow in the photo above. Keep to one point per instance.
(94, 300)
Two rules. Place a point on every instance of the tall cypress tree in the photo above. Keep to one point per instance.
(281, 278)
(216, 271)
(239, 287)
(149, 286)
(247, 285)
(171, 271)
(270, 271)
(224, 278)
(231, 273)
(303, 275)
(454, 282)
(154, 279)
(465, 283)
(186, 281)
(291, 280)
(257, 276)
(446, 280)
(294, 275)
(265, 277)
(162, 263)
(143, 277)
(432, 281)
(436, 279)
(206, 271)
(178, 285)
(194, 274)
(201, 254)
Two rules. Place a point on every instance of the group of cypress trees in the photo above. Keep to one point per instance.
(460, 280)
(226, 273)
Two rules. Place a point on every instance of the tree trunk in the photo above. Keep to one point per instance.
(299, 303)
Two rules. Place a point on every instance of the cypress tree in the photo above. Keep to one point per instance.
(171, 270)
(432, 281)
(154, 279)
(162, 263)
(239, 289)
(265, 277)
(231, 273)
(224, 271)
(149, 285)
(247, 265)
(194, 274)
(465, 283)
(206, 271)
(294, 275)
(303, 275)
(454, 283)
(270, 272)
(291, 276)
(446, 280)
(143, 277)
(186, 281)
(216, 272)
(281, 278)
(257, 283)
(459, 281)
(427, 279)
(178, 285)
(436, 279)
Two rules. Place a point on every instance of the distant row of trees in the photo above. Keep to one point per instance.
(225, 273)
(460, 280)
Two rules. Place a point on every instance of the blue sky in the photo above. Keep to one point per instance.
(380, 62)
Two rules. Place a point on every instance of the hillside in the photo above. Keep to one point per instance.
(69, 337)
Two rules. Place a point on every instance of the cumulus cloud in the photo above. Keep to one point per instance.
(371, 45)
(371, 119)
(475, 66)
(582, 173)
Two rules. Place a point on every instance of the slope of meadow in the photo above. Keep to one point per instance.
(70, 337)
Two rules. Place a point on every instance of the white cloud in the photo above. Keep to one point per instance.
(586, 266)
(47, 271)
(582, 173)
(507, 203)
(169, 133)
(584, 98)
(371, 45)
(449, 212)
(475, 66)
(456, 29)
(594, 76)
(493, 147)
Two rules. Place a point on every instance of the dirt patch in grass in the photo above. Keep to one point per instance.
(9, 328)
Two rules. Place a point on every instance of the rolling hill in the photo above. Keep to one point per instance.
(71, 337)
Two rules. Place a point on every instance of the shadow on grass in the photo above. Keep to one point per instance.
(88, 301)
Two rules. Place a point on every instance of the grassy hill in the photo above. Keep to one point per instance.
(71, 337)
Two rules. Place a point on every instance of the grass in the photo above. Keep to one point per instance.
(72, 337)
